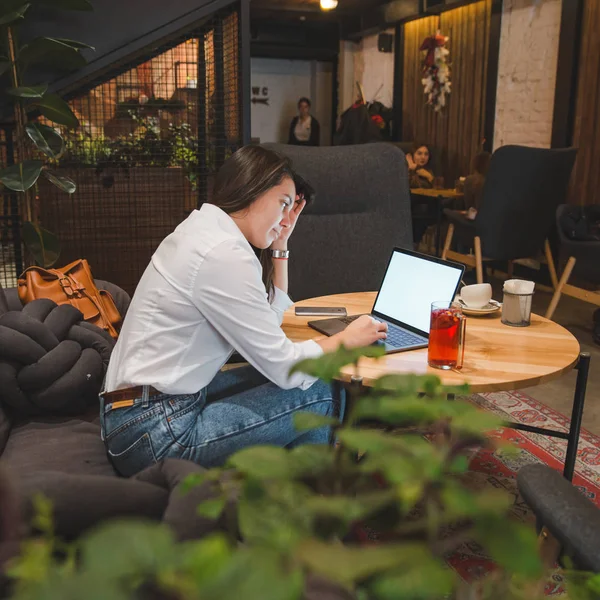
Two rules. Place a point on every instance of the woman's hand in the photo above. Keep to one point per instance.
(412, 165)
(281, 242)
(363, 332)
(425, 173)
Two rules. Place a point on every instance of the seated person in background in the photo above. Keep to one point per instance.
(304, 129)
(419, 168)
(474, 183)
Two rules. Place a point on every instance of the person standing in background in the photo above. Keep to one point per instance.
(304, 128)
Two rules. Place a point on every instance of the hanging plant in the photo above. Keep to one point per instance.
(436, 71)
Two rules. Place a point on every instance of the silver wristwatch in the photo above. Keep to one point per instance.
(280, 253)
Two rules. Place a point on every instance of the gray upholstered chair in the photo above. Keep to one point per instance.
(563, 513)
(362, 210)
(523, 189)
(581, 259)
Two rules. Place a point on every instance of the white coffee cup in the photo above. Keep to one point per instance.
(476, 296)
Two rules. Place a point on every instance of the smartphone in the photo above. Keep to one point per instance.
(320, 311)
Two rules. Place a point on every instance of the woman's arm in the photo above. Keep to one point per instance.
(280, 269)
(425, 174)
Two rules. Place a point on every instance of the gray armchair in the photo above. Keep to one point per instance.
(362, 210)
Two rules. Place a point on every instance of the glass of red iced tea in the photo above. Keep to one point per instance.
(446, 336)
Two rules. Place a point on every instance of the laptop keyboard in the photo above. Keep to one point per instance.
(400, 338)
(396, 337)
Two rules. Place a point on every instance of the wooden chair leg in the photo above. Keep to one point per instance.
(561, 284)
(449, 236)
(511, 269)
(551, 266)
(478, 259)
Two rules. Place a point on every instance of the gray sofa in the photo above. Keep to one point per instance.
(64, 458)
(362, 210)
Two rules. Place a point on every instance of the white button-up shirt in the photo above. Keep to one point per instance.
(201, 297)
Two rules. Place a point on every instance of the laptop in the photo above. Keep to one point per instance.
(412, 281)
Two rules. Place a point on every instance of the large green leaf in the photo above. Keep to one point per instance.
(512, 545)
(66, 184)
(43, 244)
(275, 514)
(47, 139)
(429, 580)
(67, 4)
(460, 502)
(56, 109)
(22, 176)
(347, 508)
(310, 459)
(212, 509)
(204, 558)
(409, 384)
(271, 462)
(13, 15)
(262, 462)
(476, 422)
(328, 366)
(128, 548)
(463, 416)
(255, 574)
(73, 44)
(196, 479)
(307, 420)
(51, 52)
(34, 91)
(348, 565)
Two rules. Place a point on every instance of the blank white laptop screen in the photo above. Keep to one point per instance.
(411, 284)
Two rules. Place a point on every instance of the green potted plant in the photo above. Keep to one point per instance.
(37, 143)
(294, 516)
(143, 182)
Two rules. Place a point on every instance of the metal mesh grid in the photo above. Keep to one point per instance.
(10, 246)
(150, 141)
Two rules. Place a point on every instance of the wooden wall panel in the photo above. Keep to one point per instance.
(585, 183)
(456, 132)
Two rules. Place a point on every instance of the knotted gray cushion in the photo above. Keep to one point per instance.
(51, 360)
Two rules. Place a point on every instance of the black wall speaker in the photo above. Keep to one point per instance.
(385, 42)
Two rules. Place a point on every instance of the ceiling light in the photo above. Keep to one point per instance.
(328, 4)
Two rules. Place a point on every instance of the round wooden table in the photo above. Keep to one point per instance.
(497, 357)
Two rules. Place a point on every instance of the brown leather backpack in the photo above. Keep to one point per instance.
(72, 284)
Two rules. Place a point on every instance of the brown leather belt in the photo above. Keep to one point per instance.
(130, 393)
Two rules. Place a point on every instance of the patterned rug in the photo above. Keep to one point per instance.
(490, 468)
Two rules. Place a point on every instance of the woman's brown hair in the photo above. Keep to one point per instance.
(246, 176)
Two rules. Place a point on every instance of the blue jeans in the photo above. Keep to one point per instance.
(238, 409)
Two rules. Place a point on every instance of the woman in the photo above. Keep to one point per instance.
(204, 295)
(419, 168)
(420, 175)
(304, 129)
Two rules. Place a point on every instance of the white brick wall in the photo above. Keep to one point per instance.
(375, 71)
(527, 72)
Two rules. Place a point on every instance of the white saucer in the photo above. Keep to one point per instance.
(491, 307)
